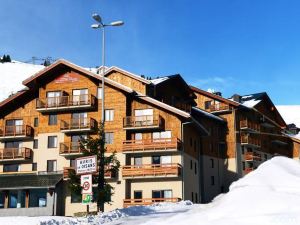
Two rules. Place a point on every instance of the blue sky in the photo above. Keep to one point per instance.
(233, 46)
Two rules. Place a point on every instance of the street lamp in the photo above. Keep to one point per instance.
(102, 25)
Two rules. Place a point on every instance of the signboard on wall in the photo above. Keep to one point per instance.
(86, 165)
(67, 78)
(86, 184)
(87, 198)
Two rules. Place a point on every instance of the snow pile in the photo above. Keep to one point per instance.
(290, 114)
(12, 74)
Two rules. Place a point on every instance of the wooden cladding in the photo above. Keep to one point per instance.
(70, 148)
(66, 102)
(107, 174)
(249, 125)
(143, 122)
(78, 124)
(151, 145)
(151, 170)
(248, 139)
(147, 201)
(15, 154)
(17, 131)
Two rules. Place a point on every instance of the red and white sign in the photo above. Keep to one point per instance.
(86, 184)
(86, 165)
(67, 78)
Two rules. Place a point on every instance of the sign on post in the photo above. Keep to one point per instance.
(86, 165)
(86, 184)
(87, 198)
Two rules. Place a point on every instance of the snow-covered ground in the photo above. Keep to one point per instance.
(13, 74)
(268, 196)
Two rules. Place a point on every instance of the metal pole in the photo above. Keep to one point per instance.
(103, 71)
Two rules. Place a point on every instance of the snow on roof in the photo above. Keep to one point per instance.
(251, 103)
(12, 76)
(159, 80)
(208, 114)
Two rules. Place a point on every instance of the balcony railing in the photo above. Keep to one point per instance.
(142, 122)
(66, 102)
(249, 125)
(107, 174)
(8, 154)
(17, 131)
(78, 125)
(249, 140)
(151, 145)
(147, 201)
(70, 148)
(252, 156)
(218, 107)
(151, 170)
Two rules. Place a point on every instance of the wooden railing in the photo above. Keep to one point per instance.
(218, 107)
(15, 153)
(147, 170)
(247, 124)
(151, 145)
(147, 201)
(248, 139)
(17, 130)
(252, 156)
(77, 124)
(69, 148)
(66, 101)
(142, 121)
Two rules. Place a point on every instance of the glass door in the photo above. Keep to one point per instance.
(53, 98)
(79, 120)
(80, 96)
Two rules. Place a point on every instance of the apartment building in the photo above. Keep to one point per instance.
(255, 130)
(166, 147)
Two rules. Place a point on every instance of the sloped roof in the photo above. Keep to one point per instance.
(252, 99)
(207, 114)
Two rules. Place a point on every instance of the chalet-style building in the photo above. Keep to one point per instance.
(166, 146)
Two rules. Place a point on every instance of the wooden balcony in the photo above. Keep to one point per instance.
(70, 149)
(252, 156)
(143, 122)
(151, 145)
(17, 132)
(250, 140)
(65, 103)
(250, 126)
(151, 171)
(147, 201)
(107, 174)
(78, 125)
(15, 154)
(218, 107)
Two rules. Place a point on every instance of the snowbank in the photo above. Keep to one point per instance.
(269, 195)
(12, 74)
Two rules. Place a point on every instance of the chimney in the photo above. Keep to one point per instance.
(236, 98)
(217, 93)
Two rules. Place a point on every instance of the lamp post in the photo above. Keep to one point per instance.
(101, 180)
(102, 25)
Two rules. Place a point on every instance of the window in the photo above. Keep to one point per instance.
(72, 163)
(36, 122)
(13, 127)
(51, 165)
(195, 168)
(212, 180)
(52, 120)
(37, 198)
(137, 194)
(35, 143)
(54, 98)
(79, 120)
(156, 159)
(34, 166)
(212, 163)
(99, 93)
(162, 135)
(80, 96)
(207, 104)
(243, 165)
(2, 199)
(192, 196)
(196, 197)
(143, 117)
(13, 144)
(191, 164)
(16, 199)
(11, 167)
(109, 115)
(162, 194)
(52, 141)
(137, 161)
(109, 137)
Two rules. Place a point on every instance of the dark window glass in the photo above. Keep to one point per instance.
(207, 104)
(35, 143)
(10, 167)
(212, 178)
(156, 159)
(138, 195)
(51, 165)
(196, 197)
(72, 162)
(36, 122)
(52, 141)
(37, 198)
(192, 196)
(191, 164)
(52, 119)
(2, 199)
(34, 166)
(76, 198)
(212, 163)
